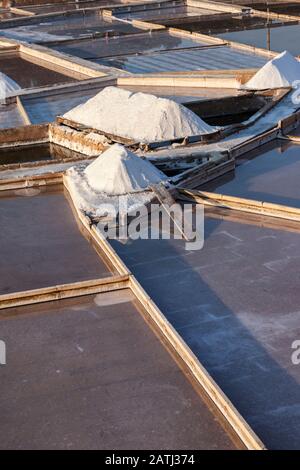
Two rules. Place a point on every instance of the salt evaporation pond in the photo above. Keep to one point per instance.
(140, 117)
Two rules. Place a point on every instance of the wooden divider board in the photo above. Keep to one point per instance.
(158, 321)
(164, 329)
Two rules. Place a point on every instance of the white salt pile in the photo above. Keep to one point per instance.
(7, 86)
(279, 72)
(119, 171)
(138, 116)
(117, 181)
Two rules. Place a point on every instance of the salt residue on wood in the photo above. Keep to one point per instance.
(282, 71)
(7, 86)
(138, 116)
(117, 181)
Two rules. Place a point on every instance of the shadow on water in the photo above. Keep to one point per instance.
(28, 74)
(237, 309)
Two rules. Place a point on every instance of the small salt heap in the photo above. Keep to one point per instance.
(118, 171)
(117, 181)
(282, 71)
(7, 86)
(138, 116)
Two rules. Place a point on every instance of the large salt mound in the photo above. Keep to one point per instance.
(138, 116)
(118, 171)
(279, 72)
(7, 86)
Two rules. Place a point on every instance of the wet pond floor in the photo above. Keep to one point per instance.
(89, 373)
(40, 242)
(93, 49)
(270, 174)
(278, 39)
(46, 108)
(236, 303)
(67, 27)
(68, 6)
(220, 25)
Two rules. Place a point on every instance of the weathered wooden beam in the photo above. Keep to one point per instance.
(173, 341)
(198, 372)
(242, 204)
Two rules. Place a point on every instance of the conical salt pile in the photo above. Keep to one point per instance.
(118, 171)
(7, 86)
(282, 71)
(138, 116)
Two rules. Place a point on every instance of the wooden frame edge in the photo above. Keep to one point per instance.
(63, 291)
